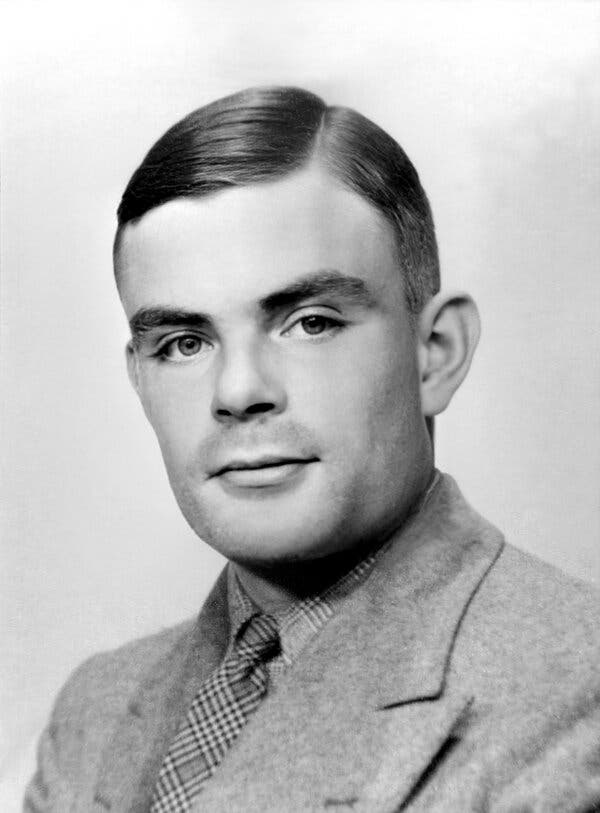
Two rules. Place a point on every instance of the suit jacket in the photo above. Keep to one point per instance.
(462, 675)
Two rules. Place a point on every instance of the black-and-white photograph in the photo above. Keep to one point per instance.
(300, 404)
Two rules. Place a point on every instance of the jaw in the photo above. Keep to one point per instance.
(299, 516)
(310, 521)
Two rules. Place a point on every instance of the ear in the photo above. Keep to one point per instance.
(133, 372)
(449, 329)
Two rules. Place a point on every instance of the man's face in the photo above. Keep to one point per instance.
(275, 359)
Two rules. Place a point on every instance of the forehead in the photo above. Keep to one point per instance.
(235, 247)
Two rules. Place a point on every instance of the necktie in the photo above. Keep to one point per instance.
(217, 715)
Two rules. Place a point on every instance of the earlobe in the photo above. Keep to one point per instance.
(449, 329)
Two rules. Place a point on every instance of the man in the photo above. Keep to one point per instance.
(373, 644)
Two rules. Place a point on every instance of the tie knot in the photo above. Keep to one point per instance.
(258, 639)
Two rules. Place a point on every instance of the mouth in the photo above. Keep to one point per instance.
(266, 462)
(262, 472)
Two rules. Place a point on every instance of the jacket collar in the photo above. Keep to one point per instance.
(395, 633)
(421, 590)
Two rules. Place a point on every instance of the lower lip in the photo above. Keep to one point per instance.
(267, 477)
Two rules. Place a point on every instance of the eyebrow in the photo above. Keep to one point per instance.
(320, 283)
(147, 319)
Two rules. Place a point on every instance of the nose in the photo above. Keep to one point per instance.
(246, 385)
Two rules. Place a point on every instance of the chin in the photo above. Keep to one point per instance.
(288, 522)
(272, 540)
(267, 533)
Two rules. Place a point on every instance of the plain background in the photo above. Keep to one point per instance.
(498, 107)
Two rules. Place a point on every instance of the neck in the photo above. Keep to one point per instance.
(275, 588)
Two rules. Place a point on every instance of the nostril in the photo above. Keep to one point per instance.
(254, 409)
(257, 409)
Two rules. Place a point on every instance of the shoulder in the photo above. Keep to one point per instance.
(108, 677)
(538, 599)
(86, 711)
(527, 654)
(101, 687)
(534, 623)
(517, 603)
(132, 659)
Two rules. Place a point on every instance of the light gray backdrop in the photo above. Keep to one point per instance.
(497, 105)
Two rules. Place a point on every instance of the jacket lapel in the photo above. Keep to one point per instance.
(155, 708)
(358, 720)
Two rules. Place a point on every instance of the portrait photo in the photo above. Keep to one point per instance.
(300, 404)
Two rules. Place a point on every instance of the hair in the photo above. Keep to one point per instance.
(263, 134)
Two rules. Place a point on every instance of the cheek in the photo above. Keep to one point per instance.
(178, 411)
(360, 400)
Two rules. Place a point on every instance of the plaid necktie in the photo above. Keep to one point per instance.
(216, 716)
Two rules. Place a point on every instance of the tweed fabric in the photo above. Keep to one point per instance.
(217, 715)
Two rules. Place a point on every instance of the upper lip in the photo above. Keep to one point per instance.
(265, 461)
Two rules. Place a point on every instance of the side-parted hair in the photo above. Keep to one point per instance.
(263, 134)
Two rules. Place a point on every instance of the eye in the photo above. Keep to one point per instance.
(184, 348)
(189, 345)
(314, 324)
